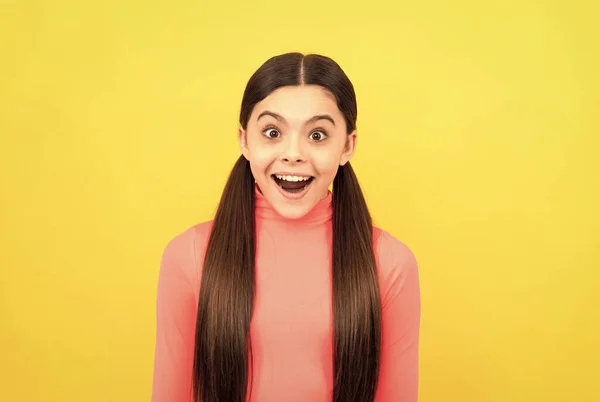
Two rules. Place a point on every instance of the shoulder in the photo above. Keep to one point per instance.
(183, 246)
(391, 250)
(397, 265)
(184, 253)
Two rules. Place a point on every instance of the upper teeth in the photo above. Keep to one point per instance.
(292, 178)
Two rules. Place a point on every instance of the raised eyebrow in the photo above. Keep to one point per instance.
(309, 121)
(321, 117)
(267, 113)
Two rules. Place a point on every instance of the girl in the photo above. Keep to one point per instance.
(289, 294)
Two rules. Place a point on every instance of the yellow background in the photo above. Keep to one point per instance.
(478, 147)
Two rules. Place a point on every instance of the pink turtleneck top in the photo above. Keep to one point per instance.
(291, 329)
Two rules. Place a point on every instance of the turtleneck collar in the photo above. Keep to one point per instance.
(321, 212)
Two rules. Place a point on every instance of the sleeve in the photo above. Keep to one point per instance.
(175, 327)
(401, 314)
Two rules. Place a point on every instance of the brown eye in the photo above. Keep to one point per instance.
(318, 136)
(271, 133)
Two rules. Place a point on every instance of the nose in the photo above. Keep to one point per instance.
(292, 152)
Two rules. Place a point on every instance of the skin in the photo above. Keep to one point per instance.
(296, 143)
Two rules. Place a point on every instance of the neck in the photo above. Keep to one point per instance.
(322, 211)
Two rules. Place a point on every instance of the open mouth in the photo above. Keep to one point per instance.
(292, 184)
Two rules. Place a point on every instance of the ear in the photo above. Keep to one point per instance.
(243, 140)
(349, 148)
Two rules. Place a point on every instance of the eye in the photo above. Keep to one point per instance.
(271, 132)
(318, 136)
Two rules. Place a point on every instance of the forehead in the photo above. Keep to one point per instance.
(299, 103)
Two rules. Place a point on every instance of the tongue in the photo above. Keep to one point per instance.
(292, 185)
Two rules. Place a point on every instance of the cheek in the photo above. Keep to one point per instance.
(260, 162)
(260, 157)
(327, 163)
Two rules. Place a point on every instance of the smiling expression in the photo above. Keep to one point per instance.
(296, 131)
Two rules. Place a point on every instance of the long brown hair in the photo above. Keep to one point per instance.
(223, 354)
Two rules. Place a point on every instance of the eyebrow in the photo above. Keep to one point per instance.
(309, 121)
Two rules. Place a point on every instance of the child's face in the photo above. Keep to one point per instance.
(289, 133)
